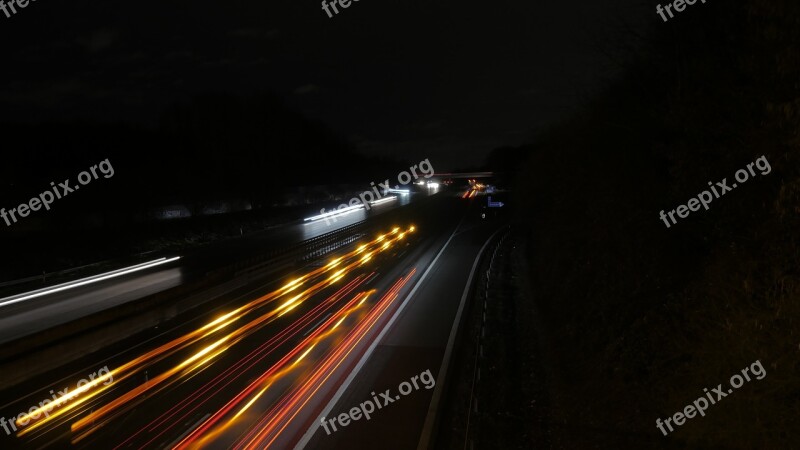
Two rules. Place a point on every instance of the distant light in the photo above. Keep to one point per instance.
(433, 185)
(399, 191)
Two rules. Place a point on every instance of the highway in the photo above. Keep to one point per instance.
(34, 315)
(422, 334)
(261, 366)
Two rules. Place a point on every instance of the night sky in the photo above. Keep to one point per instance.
(442, 80)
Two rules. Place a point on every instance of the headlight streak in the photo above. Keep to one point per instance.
(270, 374)
(250, 403)
(382, 201)
(343, 211)
(263, 434)
(63, 410)
(183, 409)
(85, 281)
(126, 370)
(195, 439)
(336, 276)
(366, 258)
(188, 366)
(209, 353)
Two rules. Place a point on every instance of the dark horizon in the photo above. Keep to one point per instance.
(350, 73)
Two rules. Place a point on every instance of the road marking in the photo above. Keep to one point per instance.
(327, 409)
(427, 429)
(191, 428)
(317, 324)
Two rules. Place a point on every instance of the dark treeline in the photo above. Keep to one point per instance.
(210, 150)
(213, 147)
(640, 318)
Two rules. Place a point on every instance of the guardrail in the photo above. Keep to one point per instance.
(300, 252)
(58, 345)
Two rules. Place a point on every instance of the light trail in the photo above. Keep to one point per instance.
(183, 409)
(269, 376)
(335, 212)
(208, 353)
(84, 281)
(264, 434)
(216, 424)
(383, 200)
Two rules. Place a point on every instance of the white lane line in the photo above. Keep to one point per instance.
(427, 429)
(315, 425)
(317, 324)
(84, 281)
(189, 430)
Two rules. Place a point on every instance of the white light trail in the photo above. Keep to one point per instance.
(84, 281)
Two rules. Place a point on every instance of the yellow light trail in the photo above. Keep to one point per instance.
(191, 364)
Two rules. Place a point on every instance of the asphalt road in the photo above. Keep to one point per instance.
(261, 371)
(416, 343)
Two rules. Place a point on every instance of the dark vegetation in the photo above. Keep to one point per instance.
(214, 149)
(640, 318)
